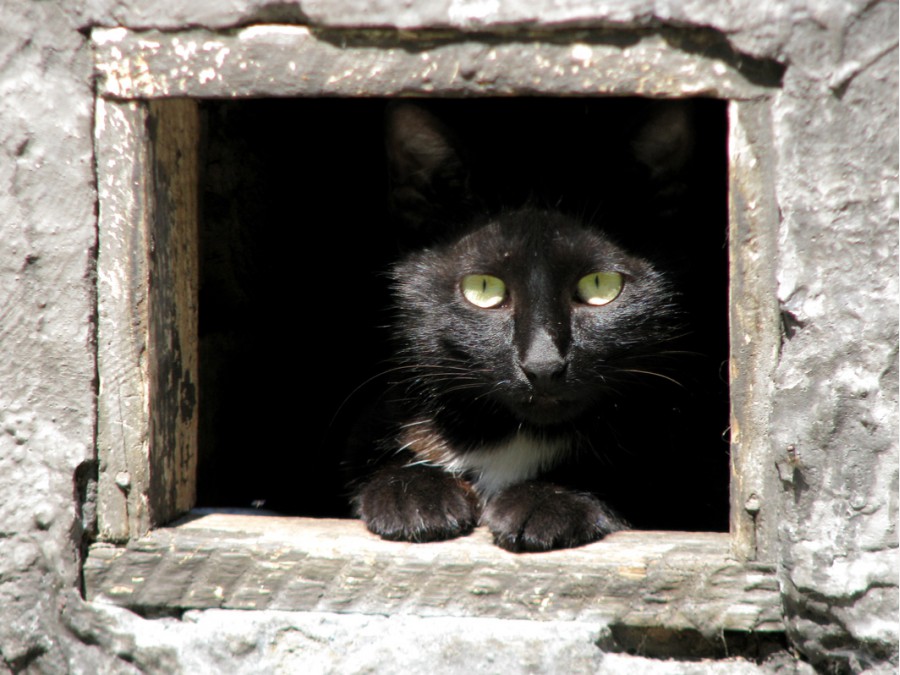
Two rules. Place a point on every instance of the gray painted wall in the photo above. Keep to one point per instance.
(834, 415)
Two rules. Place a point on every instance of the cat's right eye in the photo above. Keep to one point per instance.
(483, 290)
(600, 288)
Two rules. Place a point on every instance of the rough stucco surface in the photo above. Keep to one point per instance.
(834, 416)
(46, 310)
(834, 423)
(320, 642)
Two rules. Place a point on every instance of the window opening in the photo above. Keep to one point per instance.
(295, 238)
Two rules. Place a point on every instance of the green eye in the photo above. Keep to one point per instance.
(599, 288)
(483, 290)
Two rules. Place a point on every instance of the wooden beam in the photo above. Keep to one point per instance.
(754, 329)
(281, 60)
(147, 314)
(671, 580)
(123, 407)
(174, 128)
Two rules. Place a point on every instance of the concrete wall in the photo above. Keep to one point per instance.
(834, 414)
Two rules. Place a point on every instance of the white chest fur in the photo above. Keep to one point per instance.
(522, 457)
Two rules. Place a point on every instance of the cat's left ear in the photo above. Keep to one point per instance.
(429, 177)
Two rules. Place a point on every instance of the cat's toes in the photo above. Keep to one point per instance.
(535, 516)
(418, 503)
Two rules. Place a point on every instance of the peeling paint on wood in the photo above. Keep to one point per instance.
(174, 275)
(147, 305)
(123, 435)
(300, 61)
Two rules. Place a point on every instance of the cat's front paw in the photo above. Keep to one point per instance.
(417, 503)
(536, 516)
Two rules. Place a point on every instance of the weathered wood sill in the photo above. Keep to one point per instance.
(670, 580)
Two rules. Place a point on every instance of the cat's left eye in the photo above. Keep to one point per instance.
(483, 290)
(599, 288)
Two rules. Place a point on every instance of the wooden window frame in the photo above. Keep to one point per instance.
(146, 139)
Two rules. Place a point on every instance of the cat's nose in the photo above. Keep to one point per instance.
(544, 372)
(543, 364)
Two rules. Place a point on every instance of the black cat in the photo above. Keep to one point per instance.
(518, 329)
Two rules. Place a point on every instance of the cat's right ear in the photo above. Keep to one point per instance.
(429, 178)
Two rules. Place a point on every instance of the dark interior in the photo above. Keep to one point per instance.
(296, 238)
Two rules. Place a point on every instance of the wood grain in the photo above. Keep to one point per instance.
(147, 314)
(754, 330)
(123, 406)
(298, 61)
(680, 581)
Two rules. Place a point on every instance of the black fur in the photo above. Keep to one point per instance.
(538, 376)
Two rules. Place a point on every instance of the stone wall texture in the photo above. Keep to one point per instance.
(833, 418)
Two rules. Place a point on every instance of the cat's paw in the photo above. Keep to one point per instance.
(536, 516)
(417, 503)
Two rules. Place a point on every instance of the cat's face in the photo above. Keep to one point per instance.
(523, 313)
(531, 312)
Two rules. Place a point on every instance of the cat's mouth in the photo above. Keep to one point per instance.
(548, 409)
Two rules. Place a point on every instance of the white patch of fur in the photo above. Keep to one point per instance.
(521, 458)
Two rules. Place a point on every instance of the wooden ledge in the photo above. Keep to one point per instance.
(672, 580)
(284, 60)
